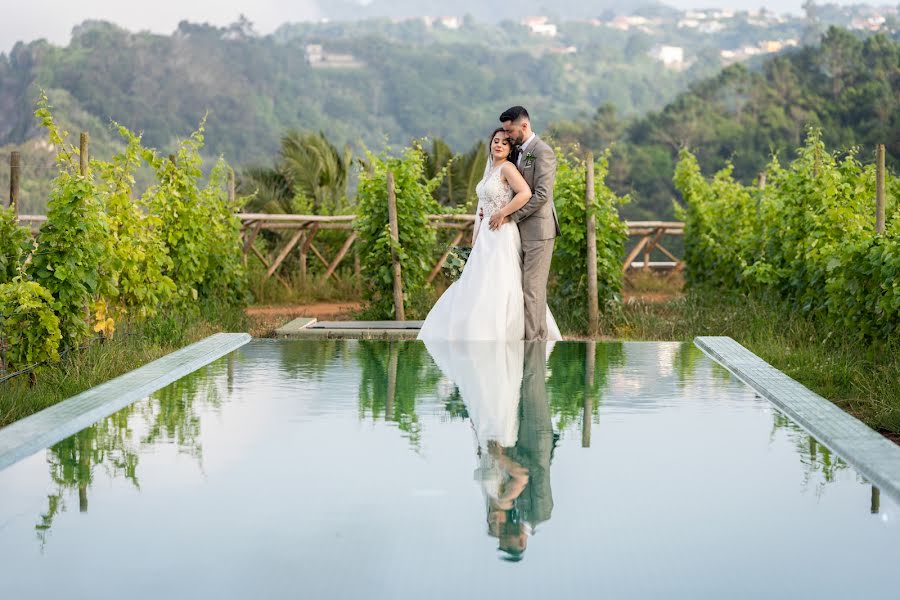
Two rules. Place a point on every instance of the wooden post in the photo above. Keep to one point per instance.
(284, 252)
(231, 193)
(15, 164)
(875, 504)
(83, 154)
(879, 189)
(634, 252)
(393, 361)
(230, 373)
(340, 256)
(399, 314)
(592, 300)
(762, 180)
(590, 360)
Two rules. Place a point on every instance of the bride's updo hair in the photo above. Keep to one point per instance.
(513, 153)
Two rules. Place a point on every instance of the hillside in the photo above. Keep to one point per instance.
(849, 87)
(376, 81)
(256, 86)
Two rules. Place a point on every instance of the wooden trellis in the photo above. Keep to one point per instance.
(306, 227)
(651, 232)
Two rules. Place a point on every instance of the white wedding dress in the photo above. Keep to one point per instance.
(487, 302)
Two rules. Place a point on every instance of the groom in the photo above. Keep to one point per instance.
(538, 225)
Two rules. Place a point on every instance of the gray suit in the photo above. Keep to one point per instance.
(535, 442)
(538, 227)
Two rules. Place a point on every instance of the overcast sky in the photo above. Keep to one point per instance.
(28, 20)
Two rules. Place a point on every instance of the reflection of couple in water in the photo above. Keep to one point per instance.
(503, 385)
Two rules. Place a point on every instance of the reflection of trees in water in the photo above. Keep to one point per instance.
(815, 458)
(107, 443)
(394, 374)
(173, 413)
(578, 374)
(455, 406)
(170, 415)
(687, 357)
(312, 358)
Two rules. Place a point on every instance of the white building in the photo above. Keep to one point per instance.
(318, 58)
(672, 57)
(450, 22)
(540, 26)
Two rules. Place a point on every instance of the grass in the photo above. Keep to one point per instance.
(133, 345)
(863, 379)
(341, 287)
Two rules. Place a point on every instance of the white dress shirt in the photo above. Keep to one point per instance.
(523, 148)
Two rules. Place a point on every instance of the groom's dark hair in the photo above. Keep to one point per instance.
(514, 114)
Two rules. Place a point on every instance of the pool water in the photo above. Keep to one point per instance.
(355, 469)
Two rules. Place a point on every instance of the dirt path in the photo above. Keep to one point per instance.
(264, 319)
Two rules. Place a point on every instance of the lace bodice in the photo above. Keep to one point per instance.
(493, 192)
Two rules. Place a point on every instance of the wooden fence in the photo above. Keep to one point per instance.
(304, 229)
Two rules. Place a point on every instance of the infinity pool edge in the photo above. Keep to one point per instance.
(870, 453)
(55, 423)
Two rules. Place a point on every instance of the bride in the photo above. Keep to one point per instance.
(487, 302)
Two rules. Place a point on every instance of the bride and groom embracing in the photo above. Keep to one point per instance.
(502, 292)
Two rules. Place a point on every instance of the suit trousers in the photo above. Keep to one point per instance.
(535, 271)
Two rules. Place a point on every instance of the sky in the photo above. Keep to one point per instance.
(27, 20)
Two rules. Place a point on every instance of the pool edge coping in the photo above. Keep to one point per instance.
(871, 454)
(33, 433)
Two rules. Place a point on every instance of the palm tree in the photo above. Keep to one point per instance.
(309, 175)
(463, 173)
(316, 169)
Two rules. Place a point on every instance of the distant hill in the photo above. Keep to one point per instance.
(849, 87)
(374, 82)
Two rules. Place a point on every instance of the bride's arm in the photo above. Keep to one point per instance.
(519, 186)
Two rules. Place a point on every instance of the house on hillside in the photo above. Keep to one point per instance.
(318, 58)
(672, 57)
(540, 26)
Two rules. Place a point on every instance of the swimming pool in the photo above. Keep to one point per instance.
(348, 469)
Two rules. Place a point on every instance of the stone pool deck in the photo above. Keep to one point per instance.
(310, 328)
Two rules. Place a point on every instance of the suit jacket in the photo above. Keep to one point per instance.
(535, 441)
(537, 219)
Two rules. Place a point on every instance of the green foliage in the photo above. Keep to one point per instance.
(456, 261)
(73, 253)
(28, 325)
(138, 251)
(462, 172)
(416, 236)
(812, 241)
(226, 276)
(200, 230)
(413, 374)
(317, 170)
(102, 253)
(568, 291)
(14, 242)
(719, 219)
(573, 377)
